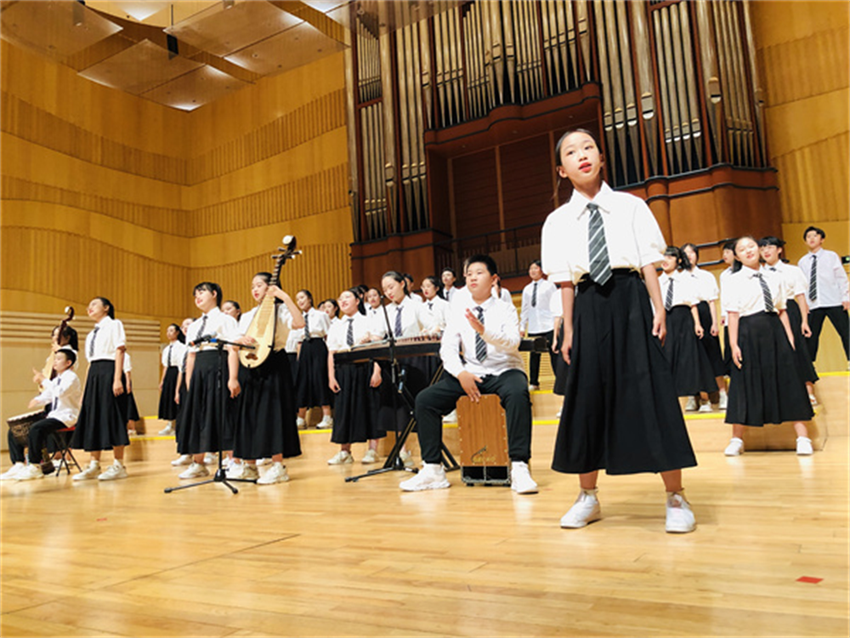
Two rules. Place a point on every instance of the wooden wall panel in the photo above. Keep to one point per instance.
(476, 204)
(526, 181)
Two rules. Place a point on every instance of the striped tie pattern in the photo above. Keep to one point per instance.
(534, 296)
(203, 326)
(813, 279)
(306, 325)
(480, 345)
(765, 291)
(668, 300)
(600, 265)
(91, 343)
(398, 321)
(349, 336)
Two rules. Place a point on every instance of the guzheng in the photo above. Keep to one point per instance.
(413, 347)
(20, 425)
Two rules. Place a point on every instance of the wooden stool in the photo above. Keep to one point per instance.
(483, 434)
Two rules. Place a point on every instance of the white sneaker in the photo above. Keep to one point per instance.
(114, 471)
(276, 474)
(341, 458)
(432, 476)
(704, 407)
(558, 416)
(724, 401)
(735, 447)
(210, 459)
(185, 459)
(235, 470)
(91, 472)
(804, 446)
(301, 423)
(12, 473)
(371, 456)
(521, 481)
(326, 422)
(406, 458)
(263, 461)
(813, 400)
(196, 470)
(691, 405)
(451, 417)
(533, 388)
(167, 430)
(250, 472)
(31, 472)
(680, 518)
(585, 510)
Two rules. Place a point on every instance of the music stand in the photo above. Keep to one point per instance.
(220, 475)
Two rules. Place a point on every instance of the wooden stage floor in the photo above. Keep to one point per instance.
(321, 557)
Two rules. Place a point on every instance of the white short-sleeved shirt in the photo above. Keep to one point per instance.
(684, 288)
(110, 337)
(539, 317)
(218, 324)
(501, 334)
(705, 284)
(436, 312)
(281, 330)
(795, 280)
(338, 334)
(746, 296)
(414, 319)
(632, 235)
(62, 394)
(172, 354)
(831, 279)
(128, 366)
(724, 281)
(319, 323)
(556, 304)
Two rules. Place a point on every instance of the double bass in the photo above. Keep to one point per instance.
(262, 328)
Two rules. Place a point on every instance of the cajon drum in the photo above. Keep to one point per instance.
(483, 436)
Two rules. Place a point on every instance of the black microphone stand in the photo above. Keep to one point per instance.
(220, 475)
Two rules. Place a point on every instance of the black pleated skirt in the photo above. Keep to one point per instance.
(293, 368)
(692, 372)
(167, 410)
(561, 366)
(727, 352)
(311, 385)
(710, 344)
(102, 423)
(266, 424)
(203, 425)
(801, 346)
(394, 413)
(178, 428)
(132, 408)
(356, 405)
(768, 387)
(620, 413)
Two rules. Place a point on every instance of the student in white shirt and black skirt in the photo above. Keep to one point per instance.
(265, 426)
(102, 423)
(621, 413)
(536, 319)
(357, 400)
(489, 332)
(172, 357)
(311, 384)
(692, 372)
(203, 426)
(765, 385)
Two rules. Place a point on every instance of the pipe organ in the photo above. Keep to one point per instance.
(676, 82)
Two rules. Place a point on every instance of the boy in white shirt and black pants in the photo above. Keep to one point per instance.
(489, 332)
(536, 318)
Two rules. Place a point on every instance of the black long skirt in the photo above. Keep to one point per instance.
(311, 385)
(561, 366)
(203, 425)
(293, 368)
(167, 410)
(768, 387)
(132, 408)
(356, 405)
(801, 347)
(692, 372)
(178, 428)
(102, 423)
(727, 353)
(621, 413)
(266, 424)
(394, 413)
(710, 343)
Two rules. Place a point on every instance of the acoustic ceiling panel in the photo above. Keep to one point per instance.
(195, 89)
(283, 52)
(140, 68)
(56, 29)
(227, 27)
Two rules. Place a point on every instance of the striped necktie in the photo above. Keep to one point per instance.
(306, 325)
(91, 343)
(765, 291)
(480, 344)
(203, 327)
(668, 301)
(600, 265)
(349, 335)
(534, 296)
(398, 321)
(813, 279)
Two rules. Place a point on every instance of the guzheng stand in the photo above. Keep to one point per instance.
(220, 474)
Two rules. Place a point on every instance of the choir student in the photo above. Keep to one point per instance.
(356, 385)
(620, 410)
(765, 384)
(311, 384)
(536, 319)
(103, 416)
(172, 358)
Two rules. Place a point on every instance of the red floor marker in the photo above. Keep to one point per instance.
(809, 579)
(103, 519)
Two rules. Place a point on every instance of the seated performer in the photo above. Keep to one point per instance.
(489, 331)
(62, 394)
